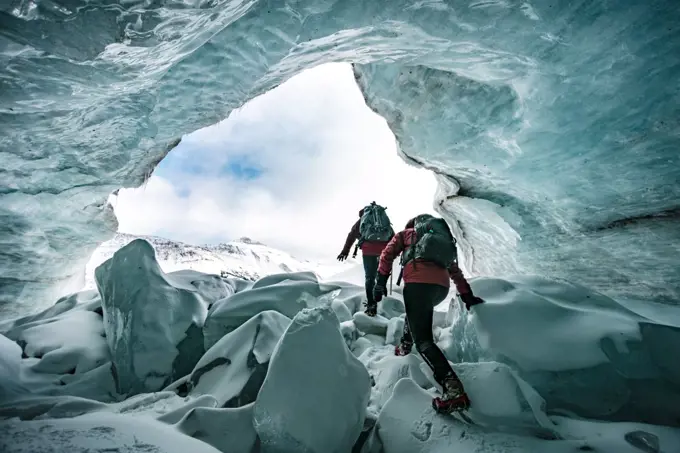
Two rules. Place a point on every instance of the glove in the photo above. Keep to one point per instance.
(343, 256)
(470, 300)
(380, 288)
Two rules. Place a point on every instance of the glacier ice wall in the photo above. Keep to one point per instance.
(553, 124)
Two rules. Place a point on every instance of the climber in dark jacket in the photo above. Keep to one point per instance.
(426, 284)
(370, 251)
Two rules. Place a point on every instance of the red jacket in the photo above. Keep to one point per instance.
(368, 248)
(419, 271)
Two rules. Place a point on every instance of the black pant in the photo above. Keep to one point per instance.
(370, 272)
(420, 300)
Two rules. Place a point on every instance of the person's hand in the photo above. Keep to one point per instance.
(378, 292)
(343, 256)
(380, 288)
(470, 300)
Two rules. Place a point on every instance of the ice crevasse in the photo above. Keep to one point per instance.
(552, 125)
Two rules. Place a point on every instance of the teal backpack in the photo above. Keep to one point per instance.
(375, 225)
(434, 242)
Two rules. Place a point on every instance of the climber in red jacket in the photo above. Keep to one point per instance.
(427, 271)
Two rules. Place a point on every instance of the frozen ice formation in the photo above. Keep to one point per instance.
(553, 126)
(603, 359)
(233, 369)
(315, 394)
(284, 293)
(153, 321)
(543, 361)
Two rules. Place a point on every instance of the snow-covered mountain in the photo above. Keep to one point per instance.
(244, 258)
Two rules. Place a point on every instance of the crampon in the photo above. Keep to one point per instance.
(403, 348)
(449, 405)
(371, 310)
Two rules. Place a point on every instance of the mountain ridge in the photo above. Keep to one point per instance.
(243, 258)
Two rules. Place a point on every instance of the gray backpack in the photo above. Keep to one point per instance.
(434, 242)
(375, 225)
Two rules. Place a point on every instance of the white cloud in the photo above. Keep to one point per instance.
(322, 153)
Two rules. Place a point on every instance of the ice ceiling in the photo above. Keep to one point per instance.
(554, 125)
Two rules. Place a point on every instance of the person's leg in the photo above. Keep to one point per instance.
(370, 274)
(420, 300)
(406, 337)
(406, 343)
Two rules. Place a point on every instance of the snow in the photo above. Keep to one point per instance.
(326, 389)
(96, 432)
(10, 363)
(284, 293)
(243, 259)
(407, 424)
(153, 322)
(229, 430)
(583, 351)
(233, 369)
(291, 363)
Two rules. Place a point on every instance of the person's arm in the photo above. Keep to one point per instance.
(351, 237)
(463, 287)
(459, 280)
(390, 253)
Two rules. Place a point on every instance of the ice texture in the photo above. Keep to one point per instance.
(314, 397)
(583, 351)
(552, 125)
(96, 432)
(153, 321)
(233, 369)
(602, 376)
(408, 425)
(284, 293)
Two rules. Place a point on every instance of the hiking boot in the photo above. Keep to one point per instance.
(403, 348)
(453, 398)
(371, 310)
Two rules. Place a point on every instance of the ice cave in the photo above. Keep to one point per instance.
(552, 127)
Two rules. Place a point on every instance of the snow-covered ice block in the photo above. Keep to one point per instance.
(349, 332)
(391, 306)
(229, 430)
(101, 432)
(69, 343)
(287, 296)
(370, 325)
(341, 311)
(153, 322)
(175, 415)
(583, 351)
(408, 424)
(233, 369)
(386, 370)
(395, 330)
(499, 396)
(315, 394)
(360, 345)
(210, 287)
(350, 295)
(238, 284)
(275, 279)
(85, 300)
(10, 364)
(34, 406)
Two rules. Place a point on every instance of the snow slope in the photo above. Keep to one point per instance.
(550, 367)
(244, 259)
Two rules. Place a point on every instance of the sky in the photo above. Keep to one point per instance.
(291, 169)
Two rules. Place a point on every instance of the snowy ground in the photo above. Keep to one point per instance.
(183, 361)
